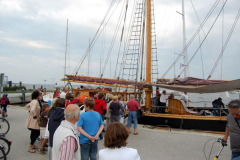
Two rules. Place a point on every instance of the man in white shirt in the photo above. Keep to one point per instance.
(163, 101)
(65, 91)
(184, 97)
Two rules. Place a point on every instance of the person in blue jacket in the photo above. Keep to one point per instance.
(4, 103)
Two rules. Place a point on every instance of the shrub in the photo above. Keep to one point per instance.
(14, 88)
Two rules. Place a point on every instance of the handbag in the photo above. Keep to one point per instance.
(39, 120)
(139, 113)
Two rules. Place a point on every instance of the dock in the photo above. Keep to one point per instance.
(152, 144)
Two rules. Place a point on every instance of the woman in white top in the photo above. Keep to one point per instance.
(115, 143)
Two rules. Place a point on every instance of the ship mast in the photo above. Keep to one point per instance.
(148, 91)
(66, 52)
(184, 41)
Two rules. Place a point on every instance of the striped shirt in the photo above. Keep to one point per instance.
(68, 148)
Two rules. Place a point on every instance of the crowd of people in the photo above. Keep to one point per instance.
(73, 127)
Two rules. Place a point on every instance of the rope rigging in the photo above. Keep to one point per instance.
(134, 44)
(126, 43)
(225, 45)
(193, 37)
(96, 36)
(203, 39)
(102, 52)
(220, 74)
(113, 40)
(121, 41)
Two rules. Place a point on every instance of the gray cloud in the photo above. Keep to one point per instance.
(32, 37)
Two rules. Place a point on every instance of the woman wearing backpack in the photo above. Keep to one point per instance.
(4, 102)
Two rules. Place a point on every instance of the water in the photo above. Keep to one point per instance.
(47, 86)
(198, 100)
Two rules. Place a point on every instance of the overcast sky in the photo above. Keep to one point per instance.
(33, 35)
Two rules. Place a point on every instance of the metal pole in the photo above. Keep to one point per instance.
(1, 82)
(66, 52)
(45, 83)
(184, 41)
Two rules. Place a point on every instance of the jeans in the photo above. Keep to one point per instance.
(89, 150)
(132, 116)
(216, 110)
(235, 156)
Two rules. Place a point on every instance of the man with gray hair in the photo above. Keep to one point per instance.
(233, 128)
(65, 91)
(65, 140)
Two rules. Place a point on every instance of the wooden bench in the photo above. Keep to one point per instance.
(176, 106)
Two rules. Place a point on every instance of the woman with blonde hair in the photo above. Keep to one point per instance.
(115, 141)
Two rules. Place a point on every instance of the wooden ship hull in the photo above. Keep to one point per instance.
(199, 123)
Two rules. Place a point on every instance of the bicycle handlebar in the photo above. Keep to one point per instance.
(222, 141)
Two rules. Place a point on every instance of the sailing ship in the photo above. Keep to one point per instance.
(132, 77)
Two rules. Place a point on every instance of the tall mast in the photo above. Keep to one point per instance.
(148, 91)
(66, 52)
(89, 57)
(184, 41)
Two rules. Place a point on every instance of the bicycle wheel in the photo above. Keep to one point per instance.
(4, 126)
(2, 154)
(5, 145)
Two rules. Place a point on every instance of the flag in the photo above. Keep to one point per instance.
(183, 65)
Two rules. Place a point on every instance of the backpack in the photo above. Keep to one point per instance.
(3, 100)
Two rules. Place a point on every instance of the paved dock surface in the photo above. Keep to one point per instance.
(152, 144)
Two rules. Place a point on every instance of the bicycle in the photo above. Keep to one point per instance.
(2, 153)
(223, 144)
(5, 145)
(4, 126)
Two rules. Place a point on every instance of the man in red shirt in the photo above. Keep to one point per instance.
(77, 99)
(133, 106)
(100, 107)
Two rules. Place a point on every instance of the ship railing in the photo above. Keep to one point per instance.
(223, 111)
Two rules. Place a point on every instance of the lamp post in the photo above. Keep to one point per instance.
(45, 84)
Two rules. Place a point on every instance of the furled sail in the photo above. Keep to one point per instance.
(211, 88)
